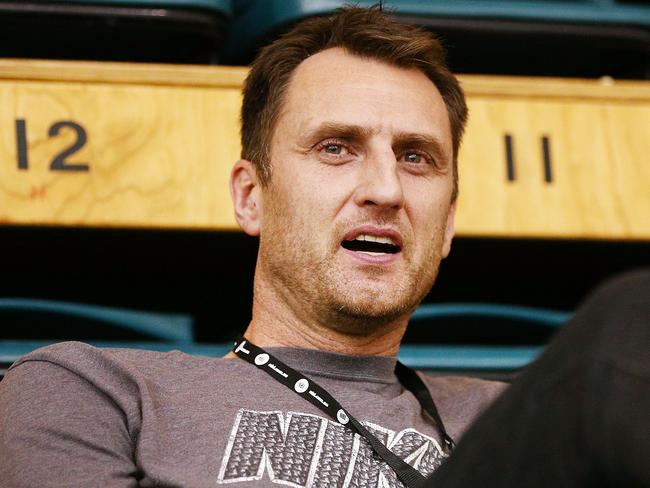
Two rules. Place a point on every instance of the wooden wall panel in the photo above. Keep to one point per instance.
(158, 155)
(599, 184)
(161, 141)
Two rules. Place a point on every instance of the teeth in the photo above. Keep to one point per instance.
(381, 240)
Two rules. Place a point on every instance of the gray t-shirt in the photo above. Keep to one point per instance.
(72, 415)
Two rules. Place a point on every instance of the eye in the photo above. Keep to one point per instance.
(336, 149)
(416, 158)
(413, 158)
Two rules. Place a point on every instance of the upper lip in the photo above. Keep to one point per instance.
(374, 231)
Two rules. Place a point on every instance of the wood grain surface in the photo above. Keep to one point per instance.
(161, 141)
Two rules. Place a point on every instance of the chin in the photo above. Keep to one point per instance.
(361, 306)
(372, 309)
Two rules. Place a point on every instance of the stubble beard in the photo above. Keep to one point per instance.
(344, 303)
(362, 309)
(308, 280)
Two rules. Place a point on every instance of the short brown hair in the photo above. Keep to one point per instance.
(367, 32)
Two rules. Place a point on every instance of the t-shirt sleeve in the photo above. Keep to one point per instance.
(58, 429)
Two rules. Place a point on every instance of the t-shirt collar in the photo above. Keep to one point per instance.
(380, 369)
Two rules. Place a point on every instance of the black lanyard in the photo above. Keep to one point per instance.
(319, 397)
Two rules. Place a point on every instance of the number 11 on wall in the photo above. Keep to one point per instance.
(59, 162)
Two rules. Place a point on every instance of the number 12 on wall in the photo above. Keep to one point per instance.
(59, 162)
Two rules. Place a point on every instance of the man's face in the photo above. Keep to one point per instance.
(358, 212)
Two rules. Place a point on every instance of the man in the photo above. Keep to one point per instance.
(351, 129)
(350, 134)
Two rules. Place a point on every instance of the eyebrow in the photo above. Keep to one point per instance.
(343, 131)
(353, 132)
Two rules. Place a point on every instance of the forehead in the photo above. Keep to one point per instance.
(336, 86)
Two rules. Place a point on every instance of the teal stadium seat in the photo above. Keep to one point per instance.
(28, 324)
(508, 37)
(480, 338)
(166, 31)
(51, 319)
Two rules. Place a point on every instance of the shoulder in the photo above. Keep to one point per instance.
(78, 355)
(115, 372)
(464, 390)
(117, 377)
(86, 360)
(461, 399)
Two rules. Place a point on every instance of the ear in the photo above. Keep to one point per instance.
(449, 230)
(245, 194)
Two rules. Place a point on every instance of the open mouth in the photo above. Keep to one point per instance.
(371, 245)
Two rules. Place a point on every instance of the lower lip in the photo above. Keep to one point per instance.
(380, 259)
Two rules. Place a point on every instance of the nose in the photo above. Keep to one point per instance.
(379, 182)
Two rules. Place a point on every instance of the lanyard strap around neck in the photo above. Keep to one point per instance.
(320, 398)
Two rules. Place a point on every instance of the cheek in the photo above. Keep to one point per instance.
(293, 209)
(320, 193)
(430, 223)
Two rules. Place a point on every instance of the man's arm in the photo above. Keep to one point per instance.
(58, 429)
(576, 417)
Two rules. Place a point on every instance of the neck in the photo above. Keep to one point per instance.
(277, 323)
(271, 333)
